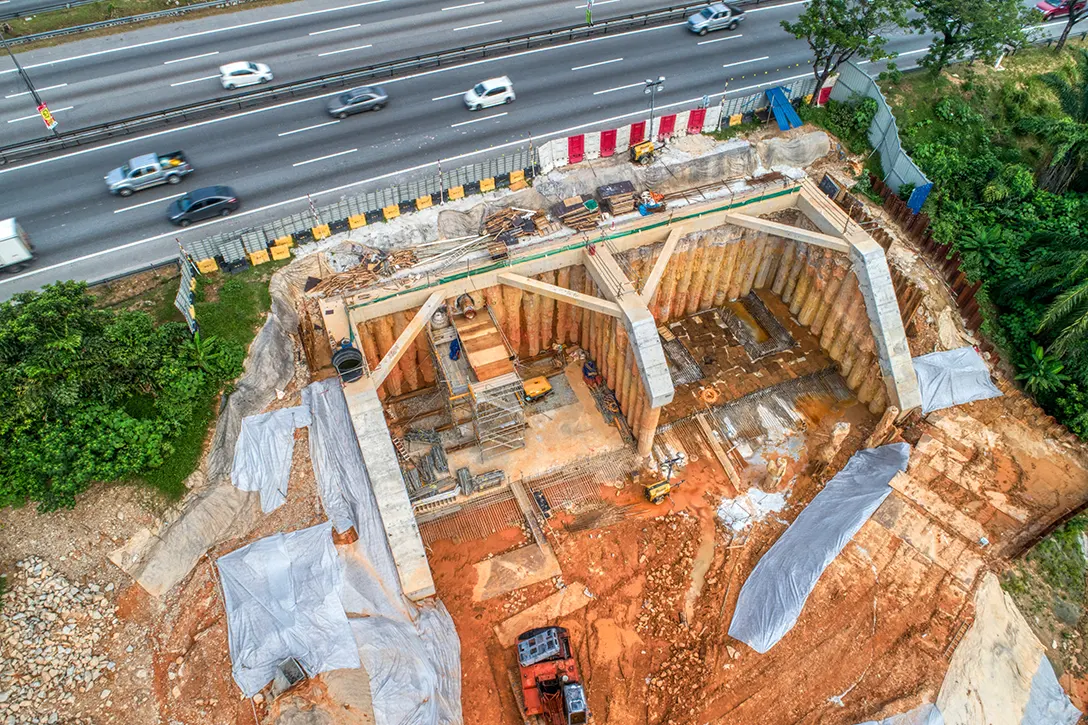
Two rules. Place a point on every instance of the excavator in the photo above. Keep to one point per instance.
(551, 690)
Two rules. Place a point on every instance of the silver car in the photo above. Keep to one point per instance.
(715, 17)
(357, 100)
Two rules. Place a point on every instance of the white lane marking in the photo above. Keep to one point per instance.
(191, 57)
(201, 33)
(194, 80)
(345, 50)
(371, 180)
(308, 128)
(742, 62)
(54, 111)
(477, 120)
(335, 30)
(776, 7)
(594, 65)
(619, 88)
(900, 55)
(718, 40)
(477, 25)
(466, 5)
(156, 134)
(148, 203)
(322, 158)
(595, 4)
(40, 90)
(449, 95)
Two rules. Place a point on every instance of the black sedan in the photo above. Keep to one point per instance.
(201, 204)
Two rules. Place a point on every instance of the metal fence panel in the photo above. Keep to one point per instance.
(899, 169)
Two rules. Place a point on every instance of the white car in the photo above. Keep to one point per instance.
(236, 75)
(492, 92)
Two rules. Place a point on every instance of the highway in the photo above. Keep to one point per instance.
(274, 156)
(101, 79)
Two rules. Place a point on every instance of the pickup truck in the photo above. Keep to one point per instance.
(715, 17)
(16, 251)
(142, 172)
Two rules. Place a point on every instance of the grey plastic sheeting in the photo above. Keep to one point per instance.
(410, 652)
(952, 378)
(925, 714)
(774, 594)
(1047, 702)
(281, 598)
(262, 458)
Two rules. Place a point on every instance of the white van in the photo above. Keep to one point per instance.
(492, 92)
(16, 251)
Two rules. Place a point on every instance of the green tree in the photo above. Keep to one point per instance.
(1075, 16)
(1067, 135)
(838, 30)
(964, 29)
(1042, 372)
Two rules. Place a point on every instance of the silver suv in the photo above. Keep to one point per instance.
(715, 17)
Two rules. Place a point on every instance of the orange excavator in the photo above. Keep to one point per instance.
(551, 689)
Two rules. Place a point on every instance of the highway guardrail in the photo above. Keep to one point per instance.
(313, 86)
(127, 20)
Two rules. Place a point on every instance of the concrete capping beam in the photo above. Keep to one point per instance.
(639, 323)
(596, 304)
(394, 507)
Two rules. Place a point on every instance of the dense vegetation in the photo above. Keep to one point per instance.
(1008, 155)
(90, 394)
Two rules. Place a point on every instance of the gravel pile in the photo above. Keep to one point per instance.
(52, 632)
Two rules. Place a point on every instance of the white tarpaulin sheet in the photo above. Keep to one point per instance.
(774, 594)
(262, 457)
(411, 653)
(1047, 702)
(925, 714)
(952, 378)
(281, 595)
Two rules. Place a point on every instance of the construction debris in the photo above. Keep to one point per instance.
(373, 265)
(578, 212)
(619, 198)
(510, 223)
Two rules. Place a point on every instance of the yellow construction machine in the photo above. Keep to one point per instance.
(655, 486)
(536, 388)
(644, 152)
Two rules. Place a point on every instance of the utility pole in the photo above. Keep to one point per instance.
(651, 89)
(46, 116)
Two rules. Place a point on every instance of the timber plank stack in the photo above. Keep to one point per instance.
(376, 265)
(508, 224)
(575, 213)
(619, 198)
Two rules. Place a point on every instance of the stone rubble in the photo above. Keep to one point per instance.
(52, 635)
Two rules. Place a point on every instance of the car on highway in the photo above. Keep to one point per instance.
(236, 75)
(201, 204)
(715, 17)
(1058, 8)
(492, 92)
(357, 100)
(143, 172)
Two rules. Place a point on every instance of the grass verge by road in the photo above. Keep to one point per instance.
(230, 308)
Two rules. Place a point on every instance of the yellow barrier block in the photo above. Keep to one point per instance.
(423, 202)
(260, 257)
(457, 192)
(519, 185)
(391, 212)
(487, 184)
(357, 221)
(192, 312)
(284, 241)
(192, 284)
(282, 251)
(207, 266)
(736, 119)
(320, 232)
(808, 98)
(516, 176)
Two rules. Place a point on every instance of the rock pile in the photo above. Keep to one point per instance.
(52, 633)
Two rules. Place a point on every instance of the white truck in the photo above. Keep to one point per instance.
(143, 172)
(16, 251)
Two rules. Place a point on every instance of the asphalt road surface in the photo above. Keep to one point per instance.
(97, 80)
(274, 156)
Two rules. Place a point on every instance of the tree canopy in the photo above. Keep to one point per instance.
(967, 29)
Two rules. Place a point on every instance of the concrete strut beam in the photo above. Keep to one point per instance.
(640, 324)
(596, 304)
(788, 231)
(404, 340)
(662, 262)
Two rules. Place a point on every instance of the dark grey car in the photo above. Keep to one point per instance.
(201, 204)
(357, 100)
